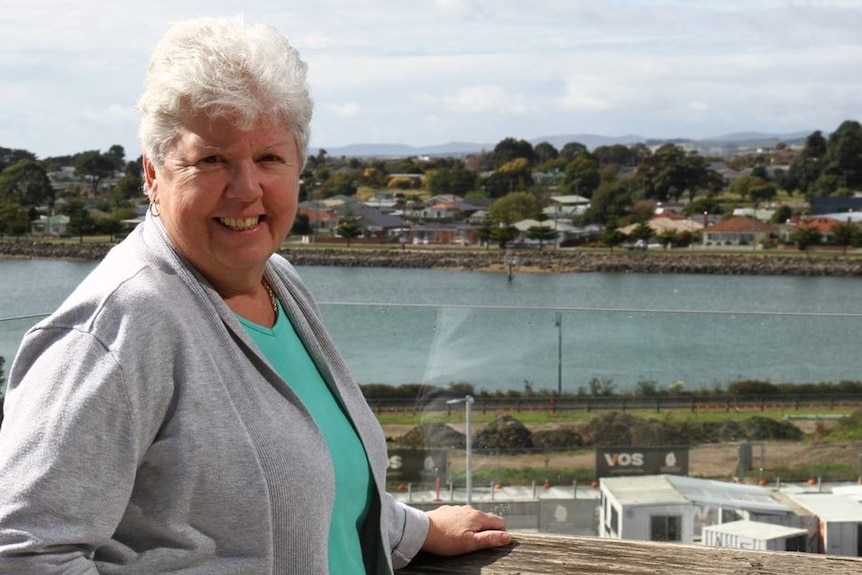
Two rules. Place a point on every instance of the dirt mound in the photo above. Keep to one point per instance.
(505, 432)
(432, 435)
(611, 429)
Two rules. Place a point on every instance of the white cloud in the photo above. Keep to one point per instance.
(345, 110)
(486, 99)
(433, 71)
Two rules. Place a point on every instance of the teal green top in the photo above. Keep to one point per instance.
(353, 482)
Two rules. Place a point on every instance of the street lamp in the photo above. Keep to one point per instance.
(559, 325)
(468, 403)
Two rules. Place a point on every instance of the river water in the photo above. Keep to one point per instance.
(548, 331)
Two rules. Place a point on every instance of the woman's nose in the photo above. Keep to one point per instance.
(244, 181)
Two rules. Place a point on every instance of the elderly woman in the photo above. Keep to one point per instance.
(185, 410)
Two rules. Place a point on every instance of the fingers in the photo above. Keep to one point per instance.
(460, 529)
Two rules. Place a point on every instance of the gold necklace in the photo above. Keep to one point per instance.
(272, 300)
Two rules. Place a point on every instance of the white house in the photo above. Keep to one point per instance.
(677, 508)
(756, 535)
(840, 520)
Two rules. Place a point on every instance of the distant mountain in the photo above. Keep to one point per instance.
(731, 142)
(759, 136)
(591, 141)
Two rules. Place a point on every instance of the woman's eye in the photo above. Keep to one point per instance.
(270, 158)
(210, 160)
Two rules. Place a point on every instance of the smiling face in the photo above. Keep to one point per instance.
(227, 197)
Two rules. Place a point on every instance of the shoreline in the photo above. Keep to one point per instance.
(493, 260)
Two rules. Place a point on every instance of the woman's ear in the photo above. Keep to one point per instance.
(149, 174)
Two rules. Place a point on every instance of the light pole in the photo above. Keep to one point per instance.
(468, 403)
(559, 324)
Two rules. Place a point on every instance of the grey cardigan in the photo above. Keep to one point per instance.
(144, 433)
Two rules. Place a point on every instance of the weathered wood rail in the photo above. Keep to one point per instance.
(532, 554)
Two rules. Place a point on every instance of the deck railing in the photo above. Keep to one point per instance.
(532, 554)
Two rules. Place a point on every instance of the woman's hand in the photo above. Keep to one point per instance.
(457, 529)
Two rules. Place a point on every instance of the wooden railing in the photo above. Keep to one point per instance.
(532, 554)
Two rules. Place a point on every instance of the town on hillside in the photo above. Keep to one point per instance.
(670, 194)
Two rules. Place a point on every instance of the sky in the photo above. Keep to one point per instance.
(429, 72)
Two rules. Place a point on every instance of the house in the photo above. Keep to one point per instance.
(738, 231)
(677, 508)
(321, 218)
(824, 225)
(665, 223)
(442, 233)
(756, 535)
(572, 205)
(50, 225)
(374, 223)
(761, 214)
(840, 522)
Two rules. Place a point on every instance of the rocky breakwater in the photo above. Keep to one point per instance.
(526, 261)
(53, 250)
(770, 263)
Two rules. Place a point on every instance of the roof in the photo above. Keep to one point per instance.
(821, 224)
(741, 224)
(830, 507)
(852, 491)
(756, 530)
(571, 199)
(664, 223)
(643, 490)
(675, 489)
(724, 494)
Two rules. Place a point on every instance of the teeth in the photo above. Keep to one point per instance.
(239, 224)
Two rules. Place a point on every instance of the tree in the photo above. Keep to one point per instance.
(542, 232)
(514, 207)
(782, 214)
(545, 152)
(611, 236)
(118, 155)
(26, 184)
(512, 176)
(510, 149)
(671, 172)
(806, 237)
(349, 226)
(846, 234)
(14, 220)
(81, 223)
(10, 157)
(302, 225)
(95, 166)
(572, 150)
(668, 238)
(503, 234)
(129, 187)
(616, 154)
(582, 176)
(844, 154)
(341, 184)
(456, 180)
(643, 232)
(486, 231)
(707, 204)
(807, 166)
(754, 189)
(611, 202)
